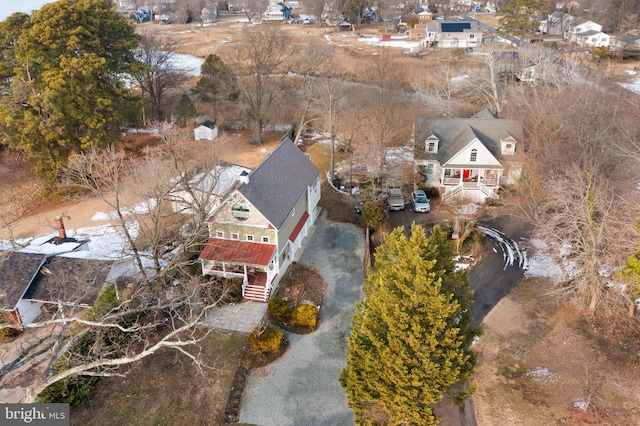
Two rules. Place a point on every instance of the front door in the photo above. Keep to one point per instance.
(466, 173)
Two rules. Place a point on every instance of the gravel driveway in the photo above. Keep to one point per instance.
(301, 387)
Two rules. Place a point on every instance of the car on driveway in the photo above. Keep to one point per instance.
(395, 199)
(420, 201)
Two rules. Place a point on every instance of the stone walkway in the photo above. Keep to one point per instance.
(241, 317)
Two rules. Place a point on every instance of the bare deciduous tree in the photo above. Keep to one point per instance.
(260, 65)
(158, 72)
(96, 344)
(577, 186)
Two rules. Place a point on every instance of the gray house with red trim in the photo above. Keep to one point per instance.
(258, 230)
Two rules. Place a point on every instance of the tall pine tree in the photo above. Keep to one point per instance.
(67, 92)
(411, 332)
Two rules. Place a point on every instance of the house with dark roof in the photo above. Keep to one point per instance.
(453, 34)
(258, 230)
(29, 281)
(468, 157)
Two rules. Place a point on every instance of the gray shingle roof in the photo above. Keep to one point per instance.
(70, 280)
(276, 185)
(17, 270)
(455, 133)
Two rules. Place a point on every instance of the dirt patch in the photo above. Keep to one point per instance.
(301, 276)
(25, 213)
(542, 363)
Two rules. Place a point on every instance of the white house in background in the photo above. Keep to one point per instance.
(453, 35)
(206, 130)
(277, 12)
(258, 229)
(629, 41)
(586, 33)
(467, 157)
(207, 188)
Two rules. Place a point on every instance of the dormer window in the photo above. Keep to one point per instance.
(474, 155)
(431, 144)
(508, 146)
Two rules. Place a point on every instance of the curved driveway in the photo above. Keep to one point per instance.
(301, 387)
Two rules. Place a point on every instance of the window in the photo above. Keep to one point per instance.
(472, 36)
(235, 236)
(430, 168)
(249, 237)
(509, 147)
(219, 234)
(240, 211)
(432, 147)
(474, 155)
(265, 239)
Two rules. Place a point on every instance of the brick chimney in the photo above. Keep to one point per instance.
(62, 234)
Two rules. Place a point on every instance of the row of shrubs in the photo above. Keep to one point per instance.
(268, 338)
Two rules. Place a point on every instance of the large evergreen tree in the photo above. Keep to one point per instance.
(217, 83)
(411, 332)
(66, 91)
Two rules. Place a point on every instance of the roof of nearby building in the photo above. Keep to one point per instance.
(236, 251)
(453, 26)
(485, 114)
(276, 185)
(217, 180)
(589, 33)
(17, 270)
(456, 133)
(69, 280)
(207, 123)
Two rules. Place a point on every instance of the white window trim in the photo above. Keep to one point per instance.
(250, 237)
(219, 234)
(235, 236)
(265, 239)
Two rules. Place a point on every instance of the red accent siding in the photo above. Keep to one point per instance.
(298, 228)
(238, 252)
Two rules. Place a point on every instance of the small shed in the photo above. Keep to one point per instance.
(206, 130)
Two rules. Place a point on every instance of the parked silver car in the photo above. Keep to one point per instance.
(420, 201)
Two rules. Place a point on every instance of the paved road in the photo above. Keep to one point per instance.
(501, 267)
(301, 388)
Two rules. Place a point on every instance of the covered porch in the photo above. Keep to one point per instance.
(254, 263)
(455, 180)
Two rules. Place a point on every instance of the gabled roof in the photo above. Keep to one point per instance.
(485, 114)
(455, 134)
(276, 185)
(17, 271)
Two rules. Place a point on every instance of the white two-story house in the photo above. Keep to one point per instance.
(258, 229)
(467, 157)
(587, 34)
(453, 35)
